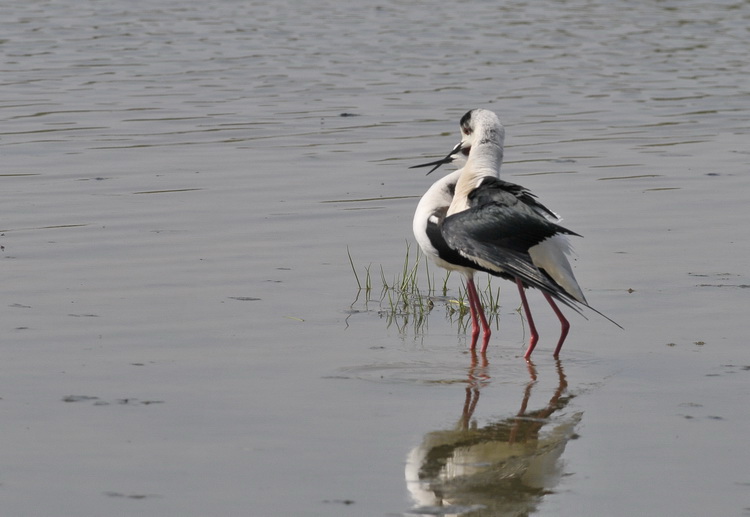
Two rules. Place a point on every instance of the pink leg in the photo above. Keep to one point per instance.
(532, 329)
(480, 310)
(485, 341)
(470, 290)
(475, 305)
(563, 323)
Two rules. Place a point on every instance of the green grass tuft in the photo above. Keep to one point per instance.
(408, 298)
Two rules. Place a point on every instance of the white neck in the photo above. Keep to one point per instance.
(484, 160)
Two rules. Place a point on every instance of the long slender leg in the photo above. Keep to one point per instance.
(478, 311)
(483, 319)
(470, 290)
(532, 328)
(564, 324)
(485, 325)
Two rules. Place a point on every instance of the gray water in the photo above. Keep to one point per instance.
(183, 333)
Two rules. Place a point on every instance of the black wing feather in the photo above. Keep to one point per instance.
(502, 222)
(494, 189)
(445, 251)
(499, 228)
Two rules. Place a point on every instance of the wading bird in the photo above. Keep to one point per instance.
(471, 221)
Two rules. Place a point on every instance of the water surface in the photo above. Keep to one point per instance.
(182, 330)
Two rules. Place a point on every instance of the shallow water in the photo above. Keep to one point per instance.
(183, 332)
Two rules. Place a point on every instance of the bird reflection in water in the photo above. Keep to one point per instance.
(502, 468)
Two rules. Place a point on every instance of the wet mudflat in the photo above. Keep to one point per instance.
(183, 334)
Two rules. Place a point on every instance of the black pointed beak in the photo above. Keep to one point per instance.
(438, 163)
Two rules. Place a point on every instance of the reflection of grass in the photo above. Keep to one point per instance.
(406, 298)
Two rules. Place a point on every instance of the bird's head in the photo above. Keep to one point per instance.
(478, 127)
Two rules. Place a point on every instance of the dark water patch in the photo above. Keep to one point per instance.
(99, 402)
(636, 176)
(133, 496)
(345, 502)
(737, 286)
(362, 200)
(52, 227)
(167, 191)
(545, 173)
(78, 398)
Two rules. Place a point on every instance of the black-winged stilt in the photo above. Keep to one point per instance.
(471, 220)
